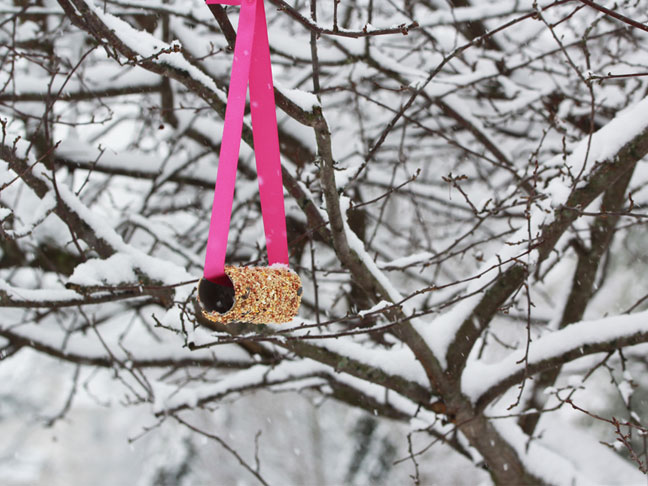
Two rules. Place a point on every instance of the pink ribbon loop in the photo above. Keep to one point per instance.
(251, 66)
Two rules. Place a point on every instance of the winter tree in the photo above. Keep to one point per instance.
(465, 197)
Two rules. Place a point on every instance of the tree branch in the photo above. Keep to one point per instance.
(602, 231)
(556, 349)
(62, 209)
(106, 361)
(603, 174)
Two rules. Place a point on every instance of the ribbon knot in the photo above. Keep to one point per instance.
(251, 67)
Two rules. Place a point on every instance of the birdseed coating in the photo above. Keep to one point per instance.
(262, 295)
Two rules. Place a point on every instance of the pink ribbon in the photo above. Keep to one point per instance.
(251, 65)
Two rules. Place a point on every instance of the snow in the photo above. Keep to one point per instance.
(284, 43)
(398, 361)
(170, 398)
(604, 144)
(97, 78)
(358, 247)
(395, 400)
(476, 12)
(457, 104)
(86, 155)
(281, 266)
(44, 207)
(303, 99)
(138, 343)
(121, 267)
(625, 388)
(442, 331)
(407, 261)
(166, 233)
(114, 270)
(299, 373)
(561, 453)
(147, 45)
(557, 467)
(383, 304)
(398, 67)
(479, 377)
(355, 73)
(35, 295)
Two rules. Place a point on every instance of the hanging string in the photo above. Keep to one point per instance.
(251, 67)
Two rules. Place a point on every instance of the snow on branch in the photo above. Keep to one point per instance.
(122, 263)
(475, 13)
(483, 382)
(55, 298)
(11, 296)
(303, 99)
(390, 369)
(138, 349)
(151, 48)
(557, 467)
(366, 31)
(303, 373)
(134, 164)
(611, 152)
(95, 82)
(169, 399)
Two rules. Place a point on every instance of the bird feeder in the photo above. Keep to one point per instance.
(264, 294)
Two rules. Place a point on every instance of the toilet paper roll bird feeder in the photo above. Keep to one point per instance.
(264, 294)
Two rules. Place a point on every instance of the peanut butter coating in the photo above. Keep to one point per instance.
(262, 295)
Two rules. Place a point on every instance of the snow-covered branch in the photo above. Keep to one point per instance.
(484, 382)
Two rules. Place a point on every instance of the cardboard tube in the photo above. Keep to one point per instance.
(257, 295)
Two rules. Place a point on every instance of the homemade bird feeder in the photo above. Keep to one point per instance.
(258, 295)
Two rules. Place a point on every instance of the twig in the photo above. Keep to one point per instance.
(225, 446)
(616, 15)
